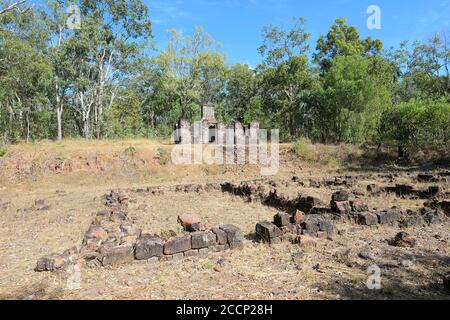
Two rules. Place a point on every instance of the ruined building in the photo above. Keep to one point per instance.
(209, 130)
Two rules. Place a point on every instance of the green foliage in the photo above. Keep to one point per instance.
(3, 151)
(418, 124)
(163, 156)
(355, 97)
(343, 40)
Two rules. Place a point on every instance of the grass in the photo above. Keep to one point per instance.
(3, 151)
(26, 236)
(305, 150)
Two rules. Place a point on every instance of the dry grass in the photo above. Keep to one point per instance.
(256, 272)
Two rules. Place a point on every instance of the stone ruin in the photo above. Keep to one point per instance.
(113, 239)
(210, 131)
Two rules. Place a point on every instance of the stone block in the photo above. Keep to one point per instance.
(281, 219)
(177, 245)
(118, 255)
(235, 238)
(149, 246)
(267, 230)
(367, 219)
(203, 239)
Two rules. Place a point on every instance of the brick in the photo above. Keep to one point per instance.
(218, 248)
(203, 239)
(403, 239)
(177, 245)
(118, 255)
(235, 238)
(340, 196)
(178, 256)
(446, 281)
(310, 226)
(191, 253)
(341, 207)
(204, 251)
(267, 230)
(189, 222)
(281, 219)
(298, 217)
(359, 205)
(51, 263)
(445, 205)
(367, 218)
(221, 236)
(96, 232)
(149, 246)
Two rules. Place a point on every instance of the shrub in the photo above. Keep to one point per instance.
(163, 156)
(3, 151)
(305, 150)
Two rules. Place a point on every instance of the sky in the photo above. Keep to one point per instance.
(237, 24)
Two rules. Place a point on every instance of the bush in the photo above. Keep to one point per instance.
(417, 124)
(3, 151)
(163, 156)
(305, 150)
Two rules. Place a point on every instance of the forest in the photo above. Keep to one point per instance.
(106, 79)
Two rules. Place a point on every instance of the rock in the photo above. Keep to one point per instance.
(340, 196)
(340, 207)
(203, 240)
(310, 226)
(127, 229)
(117, 255)
(445, 205)
(367, 218)
(39, 202)
(148, 246)
(298, 217)
(191, 253)
(96, 233)
(51, 262)
(281, 219)
(446, 281)
(327, 227)
(427, 178)
(305, 204)
(403, 239)
(267, 230)
(177, 245)
(359, 205)
(412, 220)
(220, 235)
(189, 222)
(235, 238)
(432, 216)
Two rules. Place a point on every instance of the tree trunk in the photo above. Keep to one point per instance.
(59, 120)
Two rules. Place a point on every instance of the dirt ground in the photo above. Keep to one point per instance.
(71, 179)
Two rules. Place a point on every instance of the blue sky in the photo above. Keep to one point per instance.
(237, 24)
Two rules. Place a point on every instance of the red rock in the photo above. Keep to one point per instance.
(148, 246)
(359, 205)
(189, 222)
(341, 207)
(96, 232)
(298, 217)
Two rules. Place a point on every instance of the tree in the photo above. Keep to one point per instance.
(343, 40)
(279, 45)
(355, 96)
(418, 124)
(193, 69)
(285, 91)
(240, 88)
